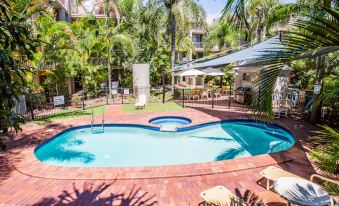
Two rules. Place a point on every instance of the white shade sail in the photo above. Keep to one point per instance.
(213, 72)
(190, 72)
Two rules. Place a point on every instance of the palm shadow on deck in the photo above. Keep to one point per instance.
(99, 195)
(18, 142)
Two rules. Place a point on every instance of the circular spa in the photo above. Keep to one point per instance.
(170, 120)
(137, 145)
(170, 123)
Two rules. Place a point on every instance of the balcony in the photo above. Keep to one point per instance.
(97, 10)
(58, 4)
(198, 45)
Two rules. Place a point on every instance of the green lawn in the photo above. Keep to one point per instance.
(66, 114)
(153, 107)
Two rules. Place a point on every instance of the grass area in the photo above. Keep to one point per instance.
(153, 107)
(158, 95)
(66, 114)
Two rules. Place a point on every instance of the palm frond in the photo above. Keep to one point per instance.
(312, 36)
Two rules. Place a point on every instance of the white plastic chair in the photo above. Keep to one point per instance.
(141, 103)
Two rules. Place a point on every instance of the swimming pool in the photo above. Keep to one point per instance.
(136, 145)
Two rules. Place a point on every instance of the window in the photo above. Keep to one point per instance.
(246, 77)
(197, 38)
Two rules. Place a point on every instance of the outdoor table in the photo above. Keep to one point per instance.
(301, 192)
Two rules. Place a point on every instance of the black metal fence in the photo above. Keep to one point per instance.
(34, 106)
(206, 98)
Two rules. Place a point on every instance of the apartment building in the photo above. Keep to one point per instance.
(69, 10)
(197, 34)
(61, 9)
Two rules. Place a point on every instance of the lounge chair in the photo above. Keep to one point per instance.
(272, 173)
(220, 195)
(141, 103)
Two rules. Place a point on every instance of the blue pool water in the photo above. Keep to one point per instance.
(134, 145)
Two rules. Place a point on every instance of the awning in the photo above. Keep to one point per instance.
(249, 54)
(213, 72)
(190, 72)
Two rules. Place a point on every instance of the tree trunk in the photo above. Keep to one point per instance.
(173, 32)
(316, 106)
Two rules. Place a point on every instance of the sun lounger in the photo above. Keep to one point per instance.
(141, 103)
(219, 195)
(272, 173)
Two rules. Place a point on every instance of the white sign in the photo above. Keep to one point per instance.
(317, 89)
(114, 91)
(115, 85)
(58, 100)
(126, 91)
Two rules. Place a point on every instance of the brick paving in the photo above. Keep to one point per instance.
(26, 181)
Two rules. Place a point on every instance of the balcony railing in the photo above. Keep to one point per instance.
(198, 45)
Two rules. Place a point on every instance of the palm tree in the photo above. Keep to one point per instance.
(223, 35)
(255, 18)
(110, 6)
(181, 12)
(56, 37)
(306, 41)
(306, 36)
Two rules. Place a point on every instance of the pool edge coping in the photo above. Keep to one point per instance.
(33, 167)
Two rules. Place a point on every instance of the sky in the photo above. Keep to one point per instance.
(213, 8)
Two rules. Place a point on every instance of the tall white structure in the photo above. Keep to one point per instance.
(141, 79)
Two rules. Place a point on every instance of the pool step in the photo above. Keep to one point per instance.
(168, 128)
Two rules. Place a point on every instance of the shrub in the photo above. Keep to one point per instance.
(76, 100)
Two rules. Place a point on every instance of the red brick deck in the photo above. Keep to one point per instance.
(26, 181)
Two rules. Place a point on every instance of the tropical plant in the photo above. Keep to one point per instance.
(182, 14)
(254, 18)
(17, 45)
(306, 40)
(159, 63)
(224, 35)
(56, 55)
(325, 152)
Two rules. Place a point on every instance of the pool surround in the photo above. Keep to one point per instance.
(31, 166)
